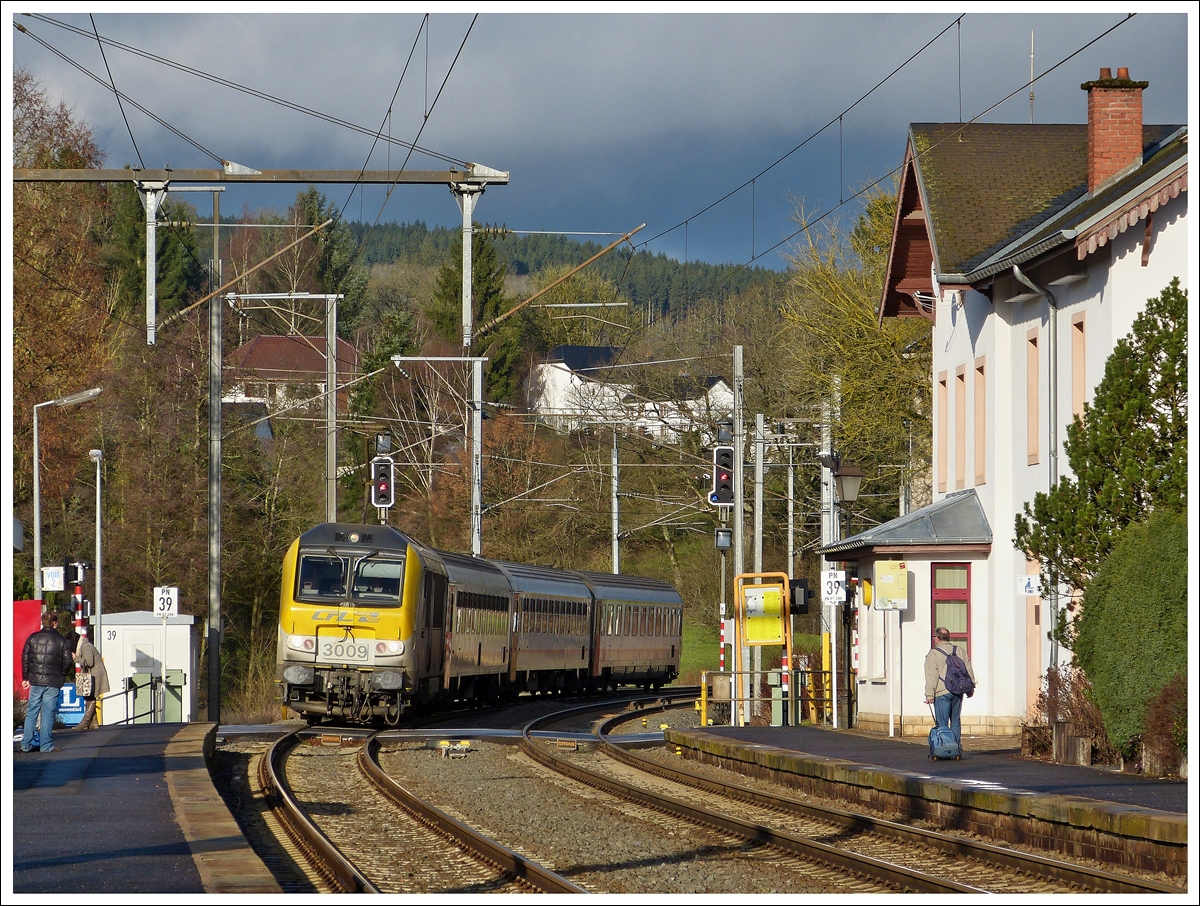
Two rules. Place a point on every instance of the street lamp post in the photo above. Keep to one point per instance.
(96, 456)
(73, 399)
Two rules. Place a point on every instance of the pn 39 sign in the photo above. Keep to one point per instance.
(166, 601)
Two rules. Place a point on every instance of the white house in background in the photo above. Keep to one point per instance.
(578, 386)
(1007, 236)
(278, 372)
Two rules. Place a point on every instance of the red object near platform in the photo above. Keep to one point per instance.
(27, 619)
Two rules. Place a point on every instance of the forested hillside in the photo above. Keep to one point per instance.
(651, 281)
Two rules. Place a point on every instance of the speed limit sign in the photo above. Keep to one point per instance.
(166, 601)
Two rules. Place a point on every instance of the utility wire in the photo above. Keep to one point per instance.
(411, 147)
(118, 93)
(113, 82)
(387, 117)
(814, 135)
(891, 173)
(261, 95)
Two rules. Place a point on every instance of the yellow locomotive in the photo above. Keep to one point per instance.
(373, 623)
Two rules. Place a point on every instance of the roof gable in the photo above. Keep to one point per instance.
(988, 183)
(986, 190)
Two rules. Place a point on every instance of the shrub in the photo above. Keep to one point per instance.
(1164, 742)
(1131, 634)
(1068, 696)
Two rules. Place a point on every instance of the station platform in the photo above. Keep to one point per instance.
(1125, 819)
(127, 810)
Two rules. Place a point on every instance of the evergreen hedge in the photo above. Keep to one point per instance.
(1131, 635)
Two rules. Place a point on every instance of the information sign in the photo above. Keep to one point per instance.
(52, 578)
(833, 587)
(1027, 586)
(891, 585)
(166, 601)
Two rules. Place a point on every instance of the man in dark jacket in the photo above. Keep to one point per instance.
(46, 663)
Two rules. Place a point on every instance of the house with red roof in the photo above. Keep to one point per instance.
(287, 373)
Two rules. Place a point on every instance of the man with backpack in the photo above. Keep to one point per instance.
(948, 677)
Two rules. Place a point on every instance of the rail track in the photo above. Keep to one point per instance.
(934, 855)
(401, 843)
(818, 843)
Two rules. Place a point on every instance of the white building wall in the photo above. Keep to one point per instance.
(909, 638)
(1112, 295)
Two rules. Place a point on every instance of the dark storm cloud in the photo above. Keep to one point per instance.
(604, 121)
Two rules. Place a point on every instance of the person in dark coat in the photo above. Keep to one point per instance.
(88, 659)
(46, 663)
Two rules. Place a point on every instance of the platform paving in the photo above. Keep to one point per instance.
(988, 762)
(127, 810)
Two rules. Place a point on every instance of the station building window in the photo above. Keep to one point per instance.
(952, 601)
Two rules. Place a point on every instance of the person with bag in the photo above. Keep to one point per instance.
(948, 678)
(91, 682)
(45, 665)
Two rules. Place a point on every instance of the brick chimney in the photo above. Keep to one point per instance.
(1114, 125)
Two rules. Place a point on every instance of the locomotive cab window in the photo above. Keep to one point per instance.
(378, 581)
(321, 578)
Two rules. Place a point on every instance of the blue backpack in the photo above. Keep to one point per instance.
(957, 680)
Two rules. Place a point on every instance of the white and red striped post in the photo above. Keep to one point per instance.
(77, 600)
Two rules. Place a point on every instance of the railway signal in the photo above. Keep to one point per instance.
(722, 482)
(383, 489)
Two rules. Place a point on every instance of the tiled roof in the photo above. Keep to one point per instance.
(292, 358)
(1124, 196)
(987, 185)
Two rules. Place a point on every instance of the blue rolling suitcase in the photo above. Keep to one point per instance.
(942, 744)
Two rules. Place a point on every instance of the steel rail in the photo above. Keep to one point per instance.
(896, 875)
(481, 847)
(1040, 866)
(326, 858)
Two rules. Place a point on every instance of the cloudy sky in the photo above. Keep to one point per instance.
(604, 121)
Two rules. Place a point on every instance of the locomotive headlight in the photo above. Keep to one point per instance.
(302, 642)
(389, 648)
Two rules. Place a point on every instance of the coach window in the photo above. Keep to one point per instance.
(952, 601)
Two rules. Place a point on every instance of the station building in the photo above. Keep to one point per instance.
(1009, 239)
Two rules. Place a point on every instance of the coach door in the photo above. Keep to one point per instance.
(435, 623)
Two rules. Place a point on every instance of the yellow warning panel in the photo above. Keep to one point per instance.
(762, 608)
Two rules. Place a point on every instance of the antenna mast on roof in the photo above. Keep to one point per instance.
(1031, 76)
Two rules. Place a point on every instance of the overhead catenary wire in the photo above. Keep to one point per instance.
(120, 94)
(769, 167)
(113, 82)
(954, 135)
(411, 148)
(235, 86)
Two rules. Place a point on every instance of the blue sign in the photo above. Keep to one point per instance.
(70, 706)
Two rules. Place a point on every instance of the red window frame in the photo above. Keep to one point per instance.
(950, 594)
